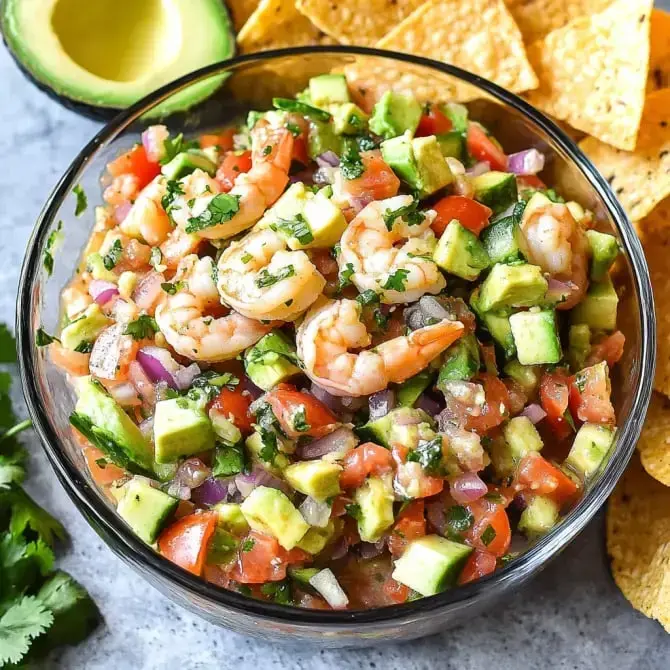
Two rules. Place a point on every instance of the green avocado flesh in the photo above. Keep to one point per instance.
(108, 54)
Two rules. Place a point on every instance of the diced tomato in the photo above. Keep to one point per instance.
(377, 182)
(71, 361)
(185, 541)
(468, 212)
(530, 181)
(300, 153)
(517, 396)
(479, 564)
(433, 122)
(223, 140)
(496, 407)
(590, 395)
(299, 413)
(412, 478)
(609, 350)
(102, 469)
(233, 165)
(312, 602)
(366, 459)
(395, 591)
(489, 357)
(481, 148)
(338, 508)
(554, 397)
(543, 478)
(490, 530)
(135, 162)
(234, 406)
(410, 525)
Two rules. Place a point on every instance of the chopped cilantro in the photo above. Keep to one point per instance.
(488, 535)
(210, 384)
(173, 287)
(345, 275)
(366, 143)
(351, 163)
(368, 297)
(248, 544)
(380, 319)
(266, 279)
(396, 280)
(459, 518)
(84, 347)
(53, 240)
(246, 257)
(300, 420)
(42, 338)
(296, 227)
(279, 591)
(291, 105)
(221, 208)
(429, 454)
(143, 326)
(294, 129)
(173, 189)
(408, 212)
(176, 146)
(82, 200)
(494, 497)
(267, 150)
(354, 511)
(229, 460)
(112, 257)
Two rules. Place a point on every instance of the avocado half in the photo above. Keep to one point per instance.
(99, 56)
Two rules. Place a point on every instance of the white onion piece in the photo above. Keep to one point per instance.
(142, 383)
(534, 412)
(147, 428)
(327, 585)
(148, 291)
(98, 287)
(125, 394)
(482, 167)
(121, 212)
(185, 376)
(527, 162)
(315, 512)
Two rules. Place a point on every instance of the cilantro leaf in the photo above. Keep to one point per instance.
(368, 297)
(112, 257)
(210, 384)
(408, 212)
(300, 420)
(27, 514)
(173, 287)
(488, 535)
(84, 347)
(354, 511)
(26, 619)
(176, 146)
(143, 326)
(396, 280)
(43, 339)
(229, 460)
(279, 591)
(429, 454)
(292, 105)
(55, 236)
(173, 188)
(248, 544)
(344, 278)
(351, 163)
(221, 208)
(366, 143)
(265, 278)
(459, 518)
(296, 227)
(7, 345)
(82, 200)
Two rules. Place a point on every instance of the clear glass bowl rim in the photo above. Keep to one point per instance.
(97, 512)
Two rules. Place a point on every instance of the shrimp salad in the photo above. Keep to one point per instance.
(340, 356)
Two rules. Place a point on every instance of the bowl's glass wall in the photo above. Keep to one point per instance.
(251, 84)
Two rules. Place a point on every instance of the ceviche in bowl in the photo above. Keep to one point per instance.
(342, 351)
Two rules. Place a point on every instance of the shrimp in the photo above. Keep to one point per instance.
(178, 245)
(190, 331)
(333, 327)
(558, 244)
(147, 221)
(255, 190)
(398, 274)
(260, 278)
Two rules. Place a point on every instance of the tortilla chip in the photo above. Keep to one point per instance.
(654, 443)
(654, 233)
(659, 51)
(638, 542)
(355, 22)
(640, 179)
(276, 24)
(479, 36)
(593, 72)
(537, 18)
(240, 11)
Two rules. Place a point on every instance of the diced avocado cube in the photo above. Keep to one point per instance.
(231, 518)
(503, 240)
(82, 331)
(520, 438)
(318, 479)
(375, 499)
(254, 445)
(224, 428)
(536, 337)
(325, 220)
(527, 376)
(598, 308)
(395, 114)
(315, 539)
(379, 430)
(270, 511)
(458, 115)
(452, 144)
(431, 564)
(410, 390)
(460, 361)
(100, 419)
(321, 137)
(537, 201)
(145, 509)
(419, 162)
(349, 119)
(268, 362)
(165, 471)
(539, 517)
(186, 162)
(512, 286)
(459, 252)
(95, 266)
(592, 444)
(604, 251)
(497, 325)
(579, 345)
(496, 190)
(411, 435)
(288, 206)
(180, 429)
(302, 575)
(327, 89)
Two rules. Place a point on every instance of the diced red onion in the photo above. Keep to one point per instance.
(558, 290)
(435, 515)
(192, 473)
(328, 159)
(431, 308)
(381, 403)
(121, 212)
(340, 549)
(305, 176)
(154, 366)
(340, 440)
(153, 141)
(482, 167)
(428, 405)
(213, 490)
(125, 394)
(467, 487)
(250, 388)
(527, 162)
(184, 376)
(332, 402)
(246, 483)
(372, 549)
(327, 585)
(359, 202)
(102, 291)
(315, 512)
(466, 446)
(180, 491)
(148, 290)
(534, 412)
(143, 385)
(324, 176)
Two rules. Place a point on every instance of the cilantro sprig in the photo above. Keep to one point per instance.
(221, 208)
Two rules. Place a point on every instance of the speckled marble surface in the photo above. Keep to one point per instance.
(571, 616)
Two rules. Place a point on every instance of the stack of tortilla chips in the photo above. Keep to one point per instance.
(602, 68)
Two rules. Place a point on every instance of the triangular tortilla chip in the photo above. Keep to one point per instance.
(356, 22)
(654, 442)
(659, 51)
(640, 179)
(593, 72)
(240, 11)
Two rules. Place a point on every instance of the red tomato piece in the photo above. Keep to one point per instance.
(300, 153)
(543, 478)
(609, 350)
(530, 181)
(554, 397)
(135, 162)
(468, 212)
(590, 395)
(411, 524)
(490, 530)
(479, 564)
(395, 592)
(496, 407)
(411, 476)
(102, 469)
(233, 164)
(234, 406)
(288, 404)
(482, 148)
(433, 122)
(222, 140)
(377, 182)
(185, 541)
(366, 459)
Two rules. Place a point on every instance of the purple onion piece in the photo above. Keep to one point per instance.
(155, 370)
(192, 473)
(372, 549)
(328, 159)
(184, 376)
(428, 404)
(342, 440)
(340, 549)
(381, 403)
(467, 488)
(247, 385)
(534, 412)
(246, 483)
(482, 167)
(436, 515)
(213, 490)
(332, 402)
(527, 162)
(324, 176)
(106, 296)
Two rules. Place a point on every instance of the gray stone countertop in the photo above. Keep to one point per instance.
(571, 616)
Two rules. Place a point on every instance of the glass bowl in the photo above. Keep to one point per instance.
(250, 82)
